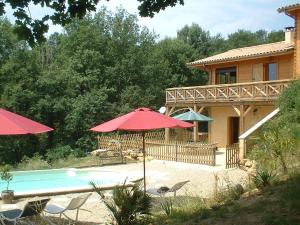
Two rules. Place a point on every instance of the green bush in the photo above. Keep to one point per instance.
(59, 152)
(277, 142)
(264, 178)
(6, 175)
(167, 206)
(128, 204)
(34, 163)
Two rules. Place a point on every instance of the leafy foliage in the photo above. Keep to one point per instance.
(33, 30)
(6, 175)
(167, 206)
(34, 163)
(278, 141)
(127, 204)
(264, 178)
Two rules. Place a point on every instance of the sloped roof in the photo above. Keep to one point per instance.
(287, 9)
(246, 53)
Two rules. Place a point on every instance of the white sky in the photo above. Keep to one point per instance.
(216, 16)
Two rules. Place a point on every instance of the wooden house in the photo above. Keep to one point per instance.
(244, 86)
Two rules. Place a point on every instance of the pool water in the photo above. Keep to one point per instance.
(61, 179)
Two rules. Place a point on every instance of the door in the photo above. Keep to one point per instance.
(257, 72)
(233, 130)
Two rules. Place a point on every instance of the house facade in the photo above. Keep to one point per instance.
(243, 88)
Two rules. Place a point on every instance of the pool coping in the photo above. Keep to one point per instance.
(68, 191)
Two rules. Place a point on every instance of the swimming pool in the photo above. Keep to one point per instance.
(62, 180)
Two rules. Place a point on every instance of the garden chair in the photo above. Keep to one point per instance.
(164, 190)
(138, 181)
(74, 204)
(31, 209)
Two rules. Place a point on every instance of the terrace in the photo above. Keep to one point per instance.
(228, 93)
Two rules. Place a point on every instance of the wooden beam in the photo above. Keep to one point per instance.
(201, 109)
(236, 110)
(242, 148)
(170, 111)
(250, 107)
(195, 129)
(242, 119)
(167, 130)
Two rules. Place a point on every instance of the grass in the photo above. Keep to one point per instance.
(278, 204)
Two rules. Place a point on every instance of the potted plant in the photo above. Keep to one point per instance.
(5, 175)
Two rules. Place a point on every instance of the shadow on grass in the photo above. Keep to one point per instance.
(278, 204)
(63, 221)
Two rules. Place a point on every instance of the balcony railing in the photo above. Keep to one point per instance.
(254, 91)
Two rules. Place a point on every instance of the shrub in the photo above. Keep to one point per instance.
(34, 163)
(59, 152)
(264, 178)
(127, 203)
(167, 206)
(6, 175)
(277, 143)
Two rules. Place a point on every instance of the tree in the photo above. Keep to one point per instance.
(33, 30)
(241, 38)
(278, 141)
(245, 38)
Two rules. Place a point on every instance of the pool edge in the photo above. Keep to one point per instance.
(70, 191)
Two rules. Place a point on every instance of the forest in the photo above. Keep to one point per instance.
(99, 67)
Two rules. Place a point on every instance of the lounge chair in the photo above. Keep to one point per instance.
(138, 181)
(32, 208)
(164, 190)
(74, 204)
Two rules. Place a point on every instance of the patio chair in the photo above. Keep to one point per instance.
(31, 209)
(138, 181)
(164, 190)
(74, 204)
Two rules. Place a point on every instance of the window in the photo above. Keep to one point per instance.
(271, 71)
(226, 75)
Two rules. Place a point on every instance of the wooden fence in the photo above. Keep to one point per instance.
(128, 141)
(181, 151)
(232, 156)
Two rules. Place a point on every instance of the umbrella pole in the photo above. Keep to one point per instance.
(144, 161)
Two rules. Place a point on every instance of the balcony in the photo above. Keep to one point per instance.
(239, 92)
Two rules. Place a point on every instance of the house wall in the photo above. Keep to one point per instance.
(297, 45)
(218, 130)
(245, 68)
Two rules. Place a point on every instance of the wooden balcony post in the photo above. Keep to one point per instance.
(195, 129)
(242, 119)
(242, 147)
(167, 130)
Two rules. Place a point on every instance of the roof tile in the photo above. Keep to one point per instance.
(247, 52)
(288, 7)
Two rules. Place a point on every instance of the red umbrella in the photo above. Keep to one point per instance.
(141, 119)
(13, 124)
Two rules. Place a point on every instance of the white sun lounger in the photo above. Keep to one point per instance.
(74, 204)
(164, 190)
(32, 208)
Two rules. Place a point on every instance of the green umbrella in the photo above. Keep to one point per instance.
(192, 116)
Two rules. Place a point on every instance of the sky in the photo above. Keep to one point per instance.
(215, 16)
